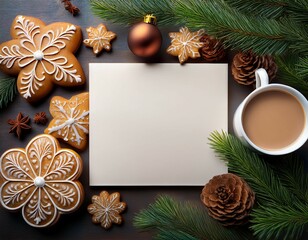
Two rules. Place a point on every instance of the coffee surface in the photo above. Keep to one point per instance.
(273, 119)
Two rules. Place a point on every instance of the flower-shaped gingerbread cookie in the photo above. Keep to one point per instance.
(41, 55)
(106, 209)
(185, 44)
(41, 180)
(99, 38)
(70, 119)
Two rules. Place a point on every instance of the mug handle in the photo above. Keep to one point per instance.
(261, 78)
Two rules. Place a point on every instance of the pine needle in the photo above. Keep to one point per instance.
(288, 73)
(7, 91)
(302, 68)
(281, 222)
(175, 220)
(264, 8)
(290, 170)
(127, 12)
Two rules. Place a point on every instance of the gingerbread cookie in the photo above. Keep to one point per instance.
(41, 180)
(185, 44)
(106, 209)
(42, 56)
(99, 38)
(70, 119)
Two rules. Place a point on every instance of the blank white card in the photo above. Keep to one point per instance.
(150, 123)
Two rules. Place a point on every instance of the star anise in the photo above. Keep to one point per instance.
(19, 124)
(70, 7)
(40, 118)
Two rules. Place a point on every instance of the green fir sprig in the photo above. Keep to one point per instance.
(237, 30)
(282, 211)
(291, 172)
(264, 8)
(127, 12)
(8, 90)
(171, 219)
(291, 73)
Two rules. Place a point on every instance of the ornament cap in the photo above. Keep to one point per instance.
(150, 18)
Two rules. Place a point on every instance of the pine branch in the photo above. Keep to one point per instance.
(289, 74)
(302, 68)
(264, 8)
(298, 10)
(7, 91)
(292, 174)
(237, 30)
(297, 35)
(127, 12)
(247, 164)
(274, 218)
(279, 223)
(175, 220)
(167, 234)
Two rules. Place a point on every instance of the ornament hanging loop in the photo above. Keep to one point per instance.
(150, 18)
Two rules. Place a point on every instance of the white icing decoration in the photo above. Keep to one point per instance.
(43, 191)
(37, 53)
(72, 121)
(39, 182)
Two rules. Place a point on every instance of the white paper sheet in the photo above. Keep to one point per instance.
(150, 123)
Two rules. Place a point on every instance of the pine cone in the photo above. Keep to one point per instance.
(245, 63)
(212, 50)
(228, 199)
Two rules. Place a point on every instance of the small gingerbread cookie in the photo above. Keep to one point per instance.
(99, 38)
(70, 119)
(42, 56)
(106, 209)
(41, 180)
(185, 44)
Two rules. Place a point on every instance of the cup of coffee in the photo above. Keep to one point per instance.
(273, 118)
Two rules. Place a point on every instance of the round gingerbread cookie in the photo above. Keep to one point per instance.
(70, 119)
(41, 180)
(42, 55)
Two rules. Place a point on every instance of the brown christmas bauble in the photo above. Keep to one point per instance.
(228, 198)
(245, 64)
(144, 39)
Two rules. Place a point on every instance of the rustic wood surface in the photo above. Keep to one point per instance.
(78, 225)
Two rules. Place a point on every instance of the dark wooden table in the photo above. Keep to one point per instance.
(78, 225)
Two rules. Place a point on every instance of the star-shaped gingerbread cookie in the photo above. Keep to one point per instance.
(185, 44)
(99, 38)
(41, 56)
(70, 119)
(106, 209)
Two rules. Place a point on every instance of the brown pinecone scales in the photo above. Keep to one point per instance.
(212, 50)
(228, 199)
(245, 64)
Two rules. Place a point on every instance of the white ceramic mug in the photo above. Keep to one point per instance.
(262, 85)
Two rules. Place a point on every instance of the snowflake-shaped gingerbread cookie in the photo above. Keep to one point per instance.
(99, 38)
(106, 209)
(70, 119)
(41, 180)
(185, 44)
(41, 55)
